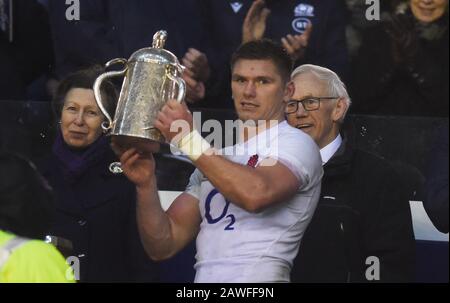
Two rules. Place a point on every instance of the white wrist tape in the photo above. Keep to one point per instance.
(193, 145)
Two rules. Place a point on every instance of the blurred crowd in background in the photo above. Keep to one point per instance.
(394, 61)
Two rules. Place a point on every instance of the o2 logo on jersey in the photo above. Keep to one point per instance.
(209, 217)
(300, 24)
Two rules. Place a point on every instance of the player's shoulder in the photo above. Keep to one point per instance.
(294, 135)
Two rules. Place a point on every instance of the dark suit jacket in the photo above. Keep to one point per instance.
(363, 212)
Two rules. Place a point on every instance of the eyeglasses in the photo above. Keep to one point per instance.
(309, 104)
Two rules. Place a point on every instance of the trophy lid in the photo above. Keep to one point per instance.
(156, 53)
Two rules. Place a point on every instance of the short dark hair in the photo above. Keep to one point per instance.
(265, 49)
(26, 201)
(85, 78)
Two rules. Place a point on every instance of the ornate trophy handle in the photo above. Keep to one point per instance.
(181, 89)
(107, 125)
(181, 85)
(114, 167)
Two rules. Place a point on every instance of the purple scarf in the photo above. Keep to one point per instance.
(75, 163)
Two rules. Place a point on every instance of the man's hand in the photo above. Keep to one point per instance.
(139, 167)
(197, 65)
(296, 45)
(195, 90)
(174, 121)
(254, 25)
(404, 39)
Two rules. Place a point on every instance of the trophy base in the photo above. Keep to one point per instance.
(122, 143)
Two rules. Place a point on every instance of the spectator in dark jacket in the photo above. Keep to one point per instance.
(95, 209)
(362, 229)
(436, 200)
(26, 207)
(403, 67)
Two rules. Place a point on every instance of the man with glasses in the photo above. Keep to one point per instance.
(362, 228)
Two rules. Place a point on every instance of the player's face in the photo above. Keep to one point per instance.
(259, 90)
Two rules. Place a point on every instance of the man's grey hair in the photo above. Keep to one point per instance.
(336, 88)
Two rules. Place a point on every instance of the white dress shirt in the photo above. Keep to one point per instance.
(328, 151)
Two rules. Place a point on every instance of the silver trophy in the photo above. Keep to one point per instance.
(152, 77)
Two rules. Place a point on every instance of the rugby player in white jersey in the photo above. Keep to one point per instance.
(248, 205)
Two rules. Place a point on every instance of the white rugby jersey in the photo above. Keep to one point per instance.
(236, 246)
